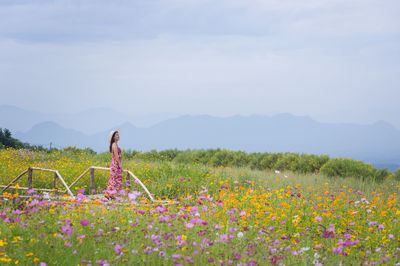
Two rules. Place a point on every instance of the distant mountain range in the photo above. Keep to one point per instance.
(378, 143)
(90, 121)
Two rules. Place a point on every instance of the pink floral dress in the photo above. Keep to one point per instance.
(115, 183)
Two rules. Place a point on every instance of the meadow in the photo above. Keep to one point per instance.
(217, 215)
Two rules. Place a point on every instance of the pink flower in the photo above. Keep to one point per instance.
(223, 238)
(338, 250)
(318, 219)
(133, 195)
(67, 229)
(189, 225)
(117, 249)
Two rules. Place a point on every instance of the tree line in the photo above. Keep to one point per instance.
(294, 162)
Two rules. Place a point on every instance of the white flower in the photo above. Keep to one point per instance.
(304, 249)
(277, 172)
(240, 235)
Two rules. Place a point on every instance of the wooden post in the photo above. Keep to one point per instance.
(56, 183)
(92, 182)
(13, 197)
(29, 178)
(128, 181)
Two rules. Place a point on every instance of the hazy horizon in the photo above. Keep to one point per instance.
(151, 119)
(334, 61)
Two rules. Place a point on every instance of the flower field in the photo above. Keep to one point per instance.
(216, 216)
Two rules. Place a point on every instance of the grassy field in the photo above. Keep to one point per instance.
(220, 216)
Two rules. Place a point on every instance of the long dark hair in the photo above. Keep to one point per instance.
(112, 141)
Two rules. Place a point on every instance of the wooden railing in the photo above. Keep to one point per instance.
(57, 177)
(29, 171)
(128, 175)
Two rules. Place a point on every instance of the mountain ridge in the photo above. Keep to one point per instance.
(378, 142)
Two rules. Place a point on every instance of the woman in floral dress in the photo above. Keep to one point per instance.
(115, 182)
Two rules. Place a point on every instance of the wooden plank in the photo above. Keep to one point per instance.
(30, 177)
(65, 185)
(100, 168)
(14, 180)
(92, 182)
(43, 169)
(56, 183)
(35, 189)
(143, 186)
(76, 180)
(128, 181)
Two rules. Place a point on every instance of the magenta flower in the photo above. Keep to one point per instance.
(189, 225)
(223, 238)
(164, 218)
(117, 249)
(338, 250)
(237, 256)
(161, 209)
(67, 229)
(85, 222)
(318, 218)
(133, 195)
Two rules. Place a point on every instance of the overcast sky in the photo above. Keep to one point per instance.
(334, 60)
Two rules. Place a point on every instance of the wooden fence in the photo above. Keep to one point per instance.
(58, 177)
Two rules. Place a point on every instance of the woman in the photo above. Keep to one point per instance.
(115, 182)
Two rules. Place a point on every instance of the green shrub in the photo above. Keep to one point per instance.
(381, 174)
(169, 155)
(309, 163)
(268, 160)
(287, 161)
(397, 174)
(254, 160)
(352, 168)
(240, 159)
(222, 158)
